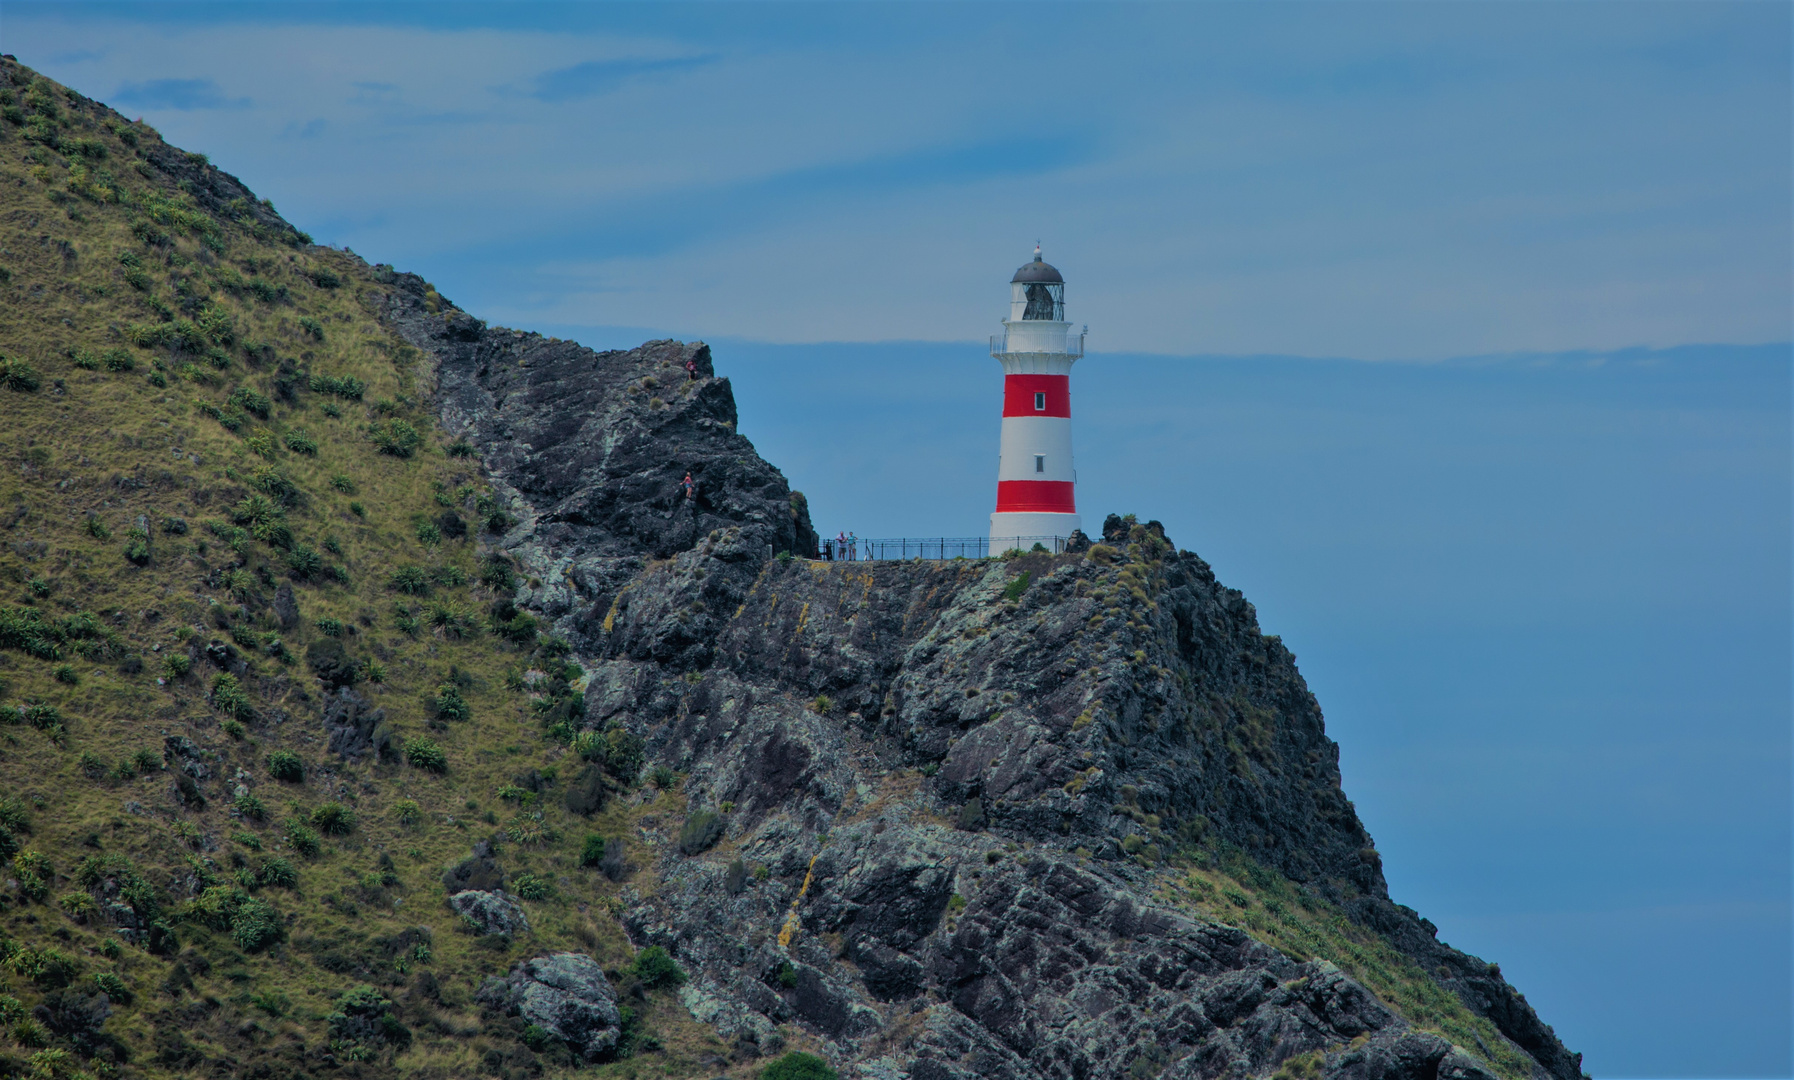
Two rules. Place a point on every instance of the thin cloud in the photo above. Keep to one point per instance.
(602, 76)
(182, 94)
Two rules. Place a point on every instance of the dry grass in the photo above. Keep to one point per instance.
(1232, 889)
(97, 442)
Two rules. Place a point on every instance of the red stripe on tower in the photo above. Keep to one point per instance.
(1036, 497)
(1037, 395)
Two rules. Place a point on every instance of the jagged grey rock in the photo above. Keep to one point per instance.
(567, 995)
(981, 775)
(496, 912)
(354, 726)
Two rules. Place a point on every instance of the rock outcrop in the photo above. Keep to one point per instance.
(961, 786)
(495, 912)
(564, 994)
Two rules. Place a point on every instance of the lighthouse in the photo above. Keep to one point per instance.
(1035, 478)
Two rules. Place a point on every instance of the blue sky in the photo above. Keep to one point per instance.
(1456, 335)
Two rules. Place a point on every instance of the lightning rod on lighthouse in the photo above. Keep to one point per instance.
(1036, 497)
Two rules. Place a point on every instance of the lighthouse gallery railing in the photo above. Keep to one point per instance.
(937, 547)
(1036, 339)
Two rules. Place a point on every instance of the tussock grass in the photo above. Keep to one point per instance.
(196, 409)
(1231, 888)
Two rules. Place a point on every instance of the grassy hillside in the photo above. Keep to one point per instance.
(197, 409)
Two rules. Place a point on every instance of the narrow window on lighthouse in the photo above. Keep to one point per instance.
(1040, 403)
(1040, 463)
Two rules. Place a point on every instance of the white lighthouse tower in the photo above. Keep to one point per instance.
(1035, 479)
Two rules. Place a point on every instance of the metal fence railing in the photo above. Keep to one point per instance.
(937, 547)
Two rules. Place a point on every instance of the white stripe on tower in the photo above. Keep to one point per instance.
(1036, 493)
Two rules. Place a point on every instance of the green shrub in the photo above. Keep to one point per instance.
(285, 765)
(251, 401)
(137, 547)
(531, 887)
(304, 840)
(16, 374)
(333, 819)
(176, 665)
(701, 832)
(303, 563)
(620, 752)
(655, 968)
(536, 1037)
(347, 387)
(428, 534)
(410, 580)
(229, 697)
(407, 811)
(798, 1065)
(110, 984)
(662, 777)
(255, 924)
(276, 871)
(397, 438)
(250, 807)
(329, 627)
(34, 874)
(448, 704)
(592, 852)
(325, 279)
(312, 326)
(425, 754)
(65, 673)
(299, 441)
(97, 529)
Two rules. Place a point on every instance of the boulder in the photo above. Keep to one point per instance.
(286, 606)
(496, 912)
(565, 994)
(354, 726)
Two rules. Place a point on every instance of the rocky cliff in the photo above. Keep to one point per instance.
(954, 819)
(378, 698)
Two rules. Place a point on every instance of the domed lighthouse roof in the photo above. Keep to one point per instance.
(1037, 271)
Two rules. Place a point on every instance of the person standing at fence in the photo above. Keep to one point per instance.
(853, 546)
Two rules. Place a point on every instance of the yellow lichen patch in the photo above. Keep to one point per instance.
(792, 922)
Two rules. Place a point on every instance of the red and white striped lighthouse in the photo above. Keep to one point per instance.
(1035, 479)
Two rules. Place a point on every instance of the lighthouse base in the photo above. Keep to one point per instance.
(1024, 529)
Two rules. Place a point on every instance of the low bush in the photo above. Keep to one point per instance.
(397, 438)
(531, 887)
(304, 840)
(16, 374)
(410, 580)
(346, 387)
(798, 1065)
(285, 765)
(299, 441)
(333, 819)
(701, 832)
(425, 754)
(655, 968)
